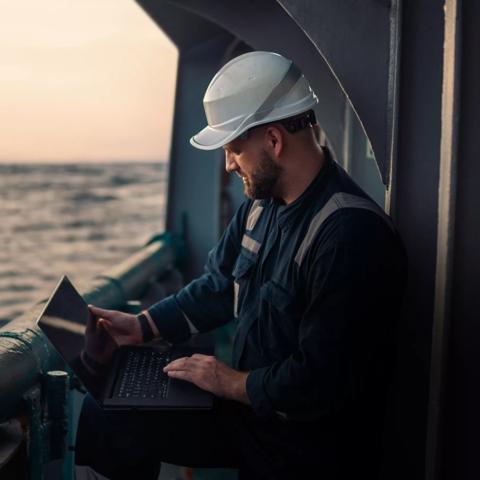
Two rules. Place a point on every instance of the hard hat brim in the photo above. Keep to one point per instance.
(211, 138)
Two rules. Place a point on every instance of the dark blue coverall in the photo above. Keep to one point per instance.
(315, 289)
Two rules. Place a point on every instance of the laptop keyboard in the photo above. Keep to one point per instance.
(143, 375)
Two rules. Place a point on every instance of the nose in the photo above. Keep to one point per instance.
(230, 164)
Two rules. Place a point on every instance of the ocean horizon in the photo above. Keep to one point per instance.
(78, 219)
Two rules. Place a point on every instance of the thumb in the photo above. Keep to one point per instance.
(101, 312)
(107, 326)
(91, 323)
(113, 332)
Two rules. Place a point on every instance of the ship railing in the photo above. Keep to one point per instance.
(36, 401)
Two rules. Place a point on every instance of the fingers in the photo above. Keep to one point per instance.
(196, 361)
(102, 312)
(106, 324)
(200, 370)
(178, 364)
(201, 356)
(184, 368)
(107, 328)
(95, 324)
(181, 375)
(91, 323)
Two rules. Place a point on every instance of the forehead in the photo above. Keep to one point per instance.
(252, 135)
(235, 144)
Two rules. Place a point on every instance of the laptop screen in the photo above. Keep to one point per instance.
(63, 321)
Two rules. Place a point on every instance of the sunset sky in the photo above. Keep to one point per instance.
(89, 80)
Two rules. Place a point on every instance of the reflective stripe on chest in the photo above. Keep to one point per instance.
(254, 214)
(250, 244)
(337, 201)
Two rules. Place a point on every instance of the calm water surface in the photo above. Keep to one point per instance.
(77, 220)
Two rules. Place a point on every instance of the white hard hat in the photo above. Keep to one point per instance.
(252, 89)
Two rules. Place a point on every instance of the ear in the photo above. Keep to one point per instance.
(274, 141)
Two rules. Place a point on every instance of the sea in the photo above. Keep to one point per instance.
(74, 219)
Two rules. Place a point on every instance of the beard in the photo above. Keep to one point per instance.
(261, 182)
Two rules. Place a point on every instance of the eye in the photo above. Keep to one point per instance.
(235, 150)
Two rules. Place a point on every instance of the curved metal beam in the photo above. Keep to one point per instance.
(265, 25)
(360, 42)
(348, 50)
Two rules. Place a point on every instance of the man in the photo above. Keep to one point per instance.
(312, 272)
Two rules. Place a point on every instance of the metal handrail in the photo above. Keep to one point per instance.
(25, 353)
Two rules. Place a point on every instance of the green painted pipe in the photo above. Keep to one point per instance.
(58, 389)
(59, 405)
(25, 353)
(37, 445)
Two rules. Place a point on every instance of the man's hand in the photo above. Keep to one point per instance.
(99, 345)
(123, 328)
(212, 375)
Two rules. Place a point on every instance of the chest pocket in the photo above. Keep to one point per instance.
(250, 246)
(241, 273)
(279, 320)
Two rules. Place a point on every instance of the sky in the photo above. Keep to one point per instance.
(88, 80)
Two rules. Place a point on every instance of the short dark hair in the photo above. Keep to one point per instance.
(299, 122)
(291, 124)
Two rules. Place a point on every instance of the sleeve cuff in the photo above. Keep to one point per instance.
(170, 320)
(259, 400)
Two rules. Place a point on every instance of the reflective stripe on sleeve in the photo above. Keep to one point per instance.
(191, 326)
(236, 289)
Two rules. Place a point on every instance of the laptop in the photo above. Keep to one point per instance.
(135, 378)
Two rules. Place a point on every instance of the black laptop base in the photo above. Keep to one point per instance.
(153, 389)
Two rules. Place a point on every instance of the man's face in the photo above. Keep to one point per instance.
(254, 166)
